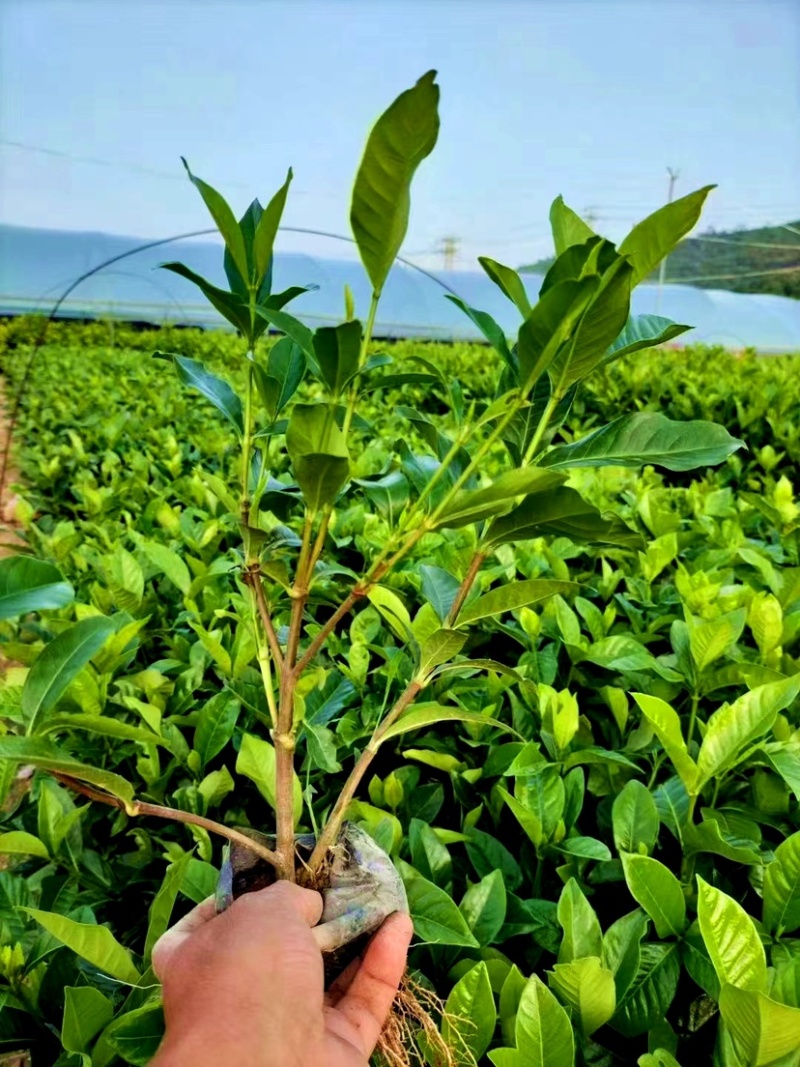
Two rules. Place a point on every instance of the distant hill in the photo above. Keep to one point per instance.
(713, 259)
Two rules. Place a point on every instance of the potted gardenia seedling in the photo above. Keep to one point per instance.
(298, 425)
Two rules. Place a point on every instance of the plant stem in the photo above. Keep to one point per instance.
(253, 579)
(330, 831)
(247, 445)
(692, 717)
(466, 585)
(544, 421)
(362, 359)
(140, 807)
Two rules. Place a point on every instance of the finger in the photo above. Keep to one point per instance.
(368, 1001)
(172, 940)
(281, 900)
(337, 989)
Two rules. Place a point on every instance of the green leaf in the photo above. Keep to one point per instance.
(635, 819)
(318, 450)
(578, 920)
(510, 996)
(104, 726)
(550, 325)
(660, 1058)
(439, 588)
(267, 229)
(292, 327)
(509, 283)
(587, 988)
(256, 761)
(95, 944)
(193, 374)
(708, 836)
(644, 438)
(654, 237)
(280, 380)
(781, 888)
(484, 907)
(338, 349)
(136, 1035)
(560, 512)
(734, 727)
(764, 1030)
(48, 757)
(28, 584)
(470, 1015)
(401, 138)
(439, 648)
(86, 1012)
(640, 332)
(430, 714)
(651, 992)
(163, 903)
(528, 820)
(568, 228)
(659, 892)
(229, 305)
(667, 727)
(215, 725)
(59, 663)
(710, 639)
(511, 597)
(428, 854)
(731, 938)
(486, 324)
(622, 949)
(437, 919)
(543, 1031)
(478, 504)
(20, 843)
(168, 562)
(225, 221)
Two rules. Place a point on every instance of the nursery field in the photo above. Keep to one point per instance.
(605, 795)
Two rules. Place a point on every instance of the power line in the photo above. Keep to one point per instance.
(744, 274)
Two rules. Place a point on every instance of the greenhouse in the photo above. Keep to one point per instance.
(38, 266)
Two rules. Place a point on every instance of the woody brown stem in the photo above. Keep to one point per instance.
(140, 807)
(466, 585)
(331, 829)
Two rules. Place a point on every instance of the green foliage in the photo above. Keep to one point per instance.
(592, 636)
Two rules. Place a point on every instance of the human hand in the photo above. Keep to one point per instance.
(246, 987)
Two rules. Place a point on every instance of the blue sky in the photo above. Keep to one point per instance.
(592, 100)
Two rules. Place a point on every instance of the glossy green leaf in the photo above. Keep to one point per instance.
(439, 587)
(292, 327)
(641, 332)
(215, 725)
(59, 662)
(709, 639)
(782, 888)
(318, 450)
(192, 373)
(337, 349)
(160, 911)
(280, 379)
(660, 1058)
(103, 725)
(86, 1012)
(622, 949)
(46, 756)
(267, 229)
(543, 1031)
(168, 562)
(647, 438)
(137, 1034)
(437, 919)
(509, 283)
(399, 141)
(731, 938)
(486, 324)
(439, 648)
(568, 228)
(578, 920)
(28, 584)
(635, 819)
(651, 992)
(20, 843)
(667, 727)
(511, 597)
(428, 715)
(734, 727)
(95, 944)
(765, 1030)
(654, 237)
(659, 892)
(550, 325)
(470, 1015)
(484, 907)
(229, 305)
(587, 988)
(560, 512)
(224, 220)
(429, 855)
(497, 498)
(256, 761)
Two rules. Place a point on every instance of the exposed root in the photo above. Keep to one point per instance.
(411, 1036)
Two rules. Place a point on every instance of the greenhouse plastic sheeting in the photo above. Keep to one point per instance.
(37, 266)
